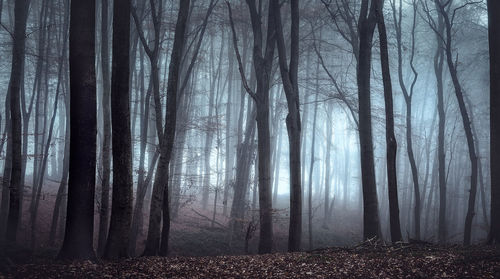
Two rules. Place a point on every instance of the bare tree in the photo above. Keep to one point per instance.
(159, 202)
(262, 61)
(289, 77)
(366, 26)
(390, 137)
(452, 67)
(408, 96)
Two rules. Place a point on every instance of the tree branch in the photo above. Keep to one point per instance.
(238, 57)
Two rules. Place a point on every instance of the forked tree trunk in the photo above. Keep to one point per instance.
(289, 77)
(452, 67)
(159, 202)
(390, 137)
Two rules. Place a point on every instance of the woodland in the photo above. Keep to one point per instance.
(250, 139)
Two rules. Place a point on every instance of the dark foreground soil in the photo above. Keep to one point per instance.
(365, 261)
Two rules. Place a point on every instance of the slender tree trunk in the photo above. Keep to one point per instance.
(438, 70)
(159, 202)
(106, 142)
(6, 171)
(209, 132)
(277, 167)
(45, 153)
(466, 123)
(310, 179)
(327, 177)
(289, 77)
(389, 126)
(78, 239)
(229, 162)
(61, 192)
(408, 98)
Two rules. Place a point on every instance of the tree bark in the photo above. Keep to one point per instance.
(494, 44)
(289, 78)
(452, 67)
(7, 170)
(408, 98)
(366, 25)
(106, 141)
(78, 239)
(121, 207)
(389, 126)
(20, 17)
(159, 202)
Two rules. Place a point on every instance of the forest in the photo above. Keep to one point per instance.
(250, 138)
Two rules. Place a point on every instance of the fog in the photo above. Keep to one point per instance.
(216, 147)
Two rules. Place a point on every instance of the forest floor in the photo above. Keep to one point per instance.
(369, 260)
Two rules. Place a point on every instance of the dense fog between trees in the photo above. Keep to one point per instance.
(237, 127)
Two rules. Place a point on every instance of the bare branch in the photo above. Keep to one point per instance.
(238, 57)
(339, 90)
(140, 31)
(8, 31)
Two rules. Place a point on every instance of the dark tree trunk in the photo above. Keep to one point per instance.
(327, 177)
(389, 126)
(466, 124)
(61, 192)
(494, 42)
(78, 239)
(45, 152)
(160, 193)
(121, 207)
(366, 27)
(4, 210)
(310, 177)
(106, 141)
(289, 78)
(438, 70)
(243, 163)
(408, 98)
(262, 61)
(20, 17)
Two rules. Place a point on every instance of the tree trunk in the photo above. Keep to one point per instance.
(289, 78)
(494, 43)
(121, 207)
(61, 192)
(328, 179)
(20, 17)
(466, 123)
(159, 202)
(389, 126)
(78, 239)
(366, 27)
(4, 211)
(106, 141)
(310, 177)
(438, 70)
